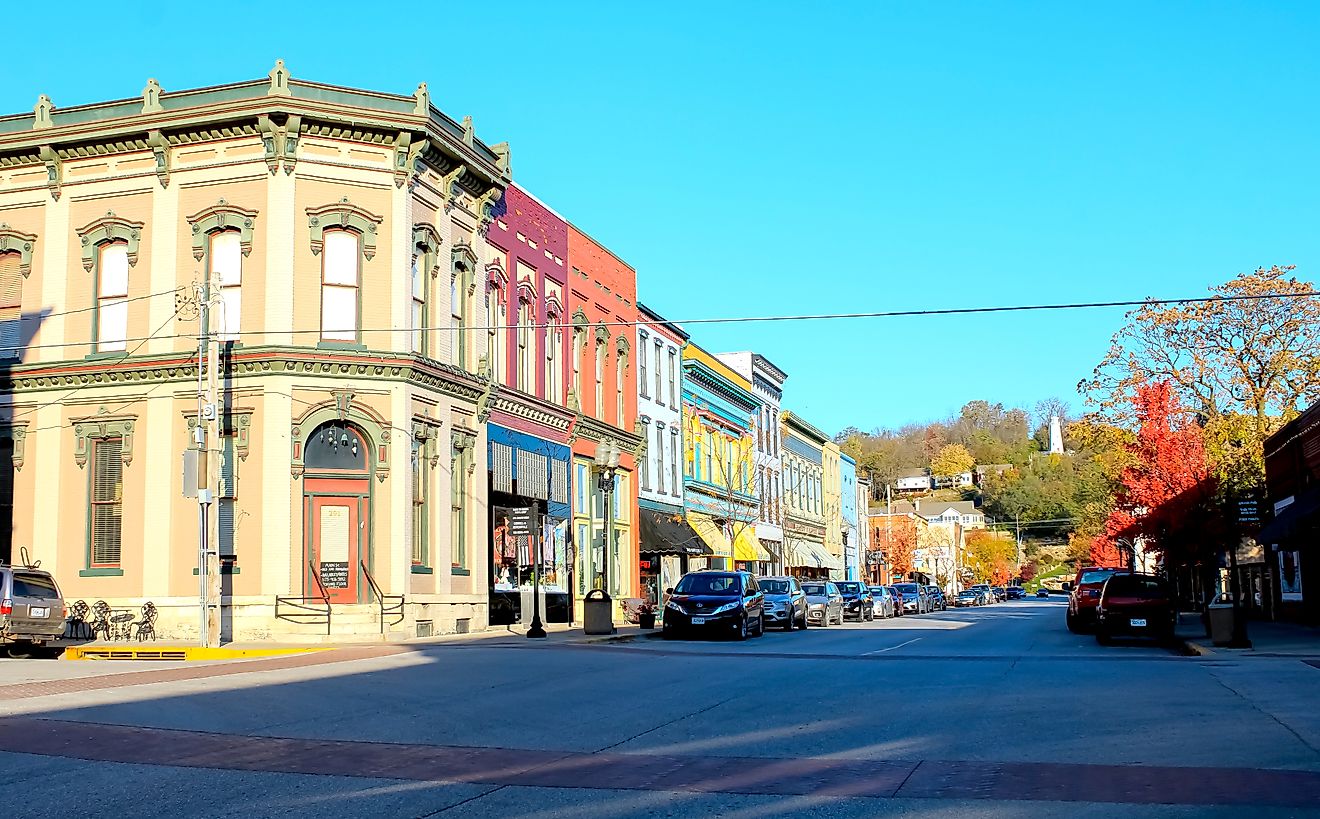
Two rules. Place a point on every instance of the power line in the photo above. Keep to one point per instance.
(75, 390)
(952, 311)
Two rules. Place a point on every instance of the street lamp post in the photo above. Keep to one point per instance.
(847, 563)
(607, 463)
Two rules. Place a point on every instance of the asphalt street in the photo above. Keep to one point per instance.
(995, 711)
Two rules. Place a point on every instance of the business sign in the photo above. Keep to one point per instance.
(522, 521)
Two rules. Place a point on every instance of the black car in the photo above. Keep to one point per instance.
(1016, 593)
(857, 601)
(936, 597)
(716, 602)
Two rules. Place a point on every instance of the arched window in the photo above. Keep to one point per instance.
(112, 297)
(225, 259)
(600, 379)
(340, 304)
(335, 447)
(526, 347)
(417, 317)
(497, 322)
(554, 339)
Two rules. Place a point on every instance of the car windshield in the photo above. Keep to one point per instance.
(775, 586)
(877, 590)
(850, 588)
(1128, 585)
(716, 584)
(967, 594)
(1097, 575)
(907, 588)
(34, 585)
(814, 588)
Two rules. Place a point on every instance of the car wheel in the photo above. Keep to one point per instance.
(1102, 637)
(1072, 623)
(803, 625)
(742, 630)
(760, 625)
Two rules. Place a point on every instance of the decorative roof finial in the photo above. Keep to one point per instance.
(423, 97)
(151, 97)
(42, 111)
(468, 133)
(279, 81)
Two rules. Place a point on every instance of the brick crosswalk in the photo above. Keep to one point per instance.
(811, 776)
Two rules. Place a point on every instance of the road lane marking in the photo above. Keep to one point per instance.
(891, 648)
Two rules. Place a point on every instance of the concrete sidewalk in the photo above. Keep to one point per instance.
(1268, 639)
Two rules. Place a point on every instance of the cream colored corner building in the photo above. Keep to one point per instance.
(344, 231)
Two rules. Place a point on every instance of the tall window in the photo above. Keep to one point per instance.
(646, 473)
(420, 551)
(339, 286)
(710, 447)
(659, 460)
(112, 297)
(11, 306)
(642, 384)
(579, 343)
(600, 379)
(620, 371)
(677, 486)
(526, 348)
(498, 340)
(554, 381)
(107, 502)
(458, 507)
(457, 328)
(226, 260)
(418, 314)
(697, 447)
(673, 378)
(659, 387)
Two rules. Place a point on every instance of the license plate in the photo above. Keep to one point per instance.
(698, 621)
(35, 611)
(1137, 622)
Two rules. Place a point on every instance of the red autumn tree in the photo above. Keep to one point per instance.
(896, 539)
(1164, 492)
(1028, 571)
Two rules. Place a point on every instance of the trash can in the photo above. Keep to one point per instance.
(1220, 617)
(597, 614)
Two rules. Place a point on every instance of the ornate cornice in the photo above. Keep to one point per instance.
(14, 241)
(218, 217)
(109, 228)
(344, 214)
(341, 365)
(593, 429)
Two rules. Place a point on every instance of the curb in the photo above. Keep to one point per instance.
(182, 653)
(1191, 648)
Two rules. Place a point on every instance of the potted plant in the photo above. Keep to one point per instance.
(646, 615)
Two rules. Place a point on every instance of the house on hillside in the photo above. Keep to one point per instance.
(953, 481)
(914, 480)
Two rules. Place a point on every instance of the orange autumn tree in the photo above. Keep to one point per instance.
(1165, 492)
(897, 541)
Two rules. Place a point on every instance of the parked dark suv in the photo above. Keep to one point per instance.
(857, 601)
(1134, 605)
(716, 602)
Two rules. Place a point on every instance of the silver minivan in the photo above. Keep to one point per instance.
(31, 610)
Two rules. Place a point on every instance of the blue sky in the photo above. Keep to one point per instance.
(835, 157)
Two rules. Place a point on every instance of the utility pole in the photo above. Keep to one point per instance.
(214, 470)
(206, 436)
(203, 489)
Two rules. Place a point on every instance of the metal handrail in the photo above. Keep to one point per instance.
(392, 608)
(303, 611)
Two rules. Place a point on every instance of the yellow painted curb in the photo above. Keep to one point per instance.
(180, 653)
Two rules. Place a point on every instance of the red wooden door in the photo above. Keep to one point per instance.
(336, 526)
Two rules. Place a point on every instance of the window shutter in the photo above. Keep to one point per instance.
(228, 530)
(11, 297)
(107, 501)
(228, 468)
